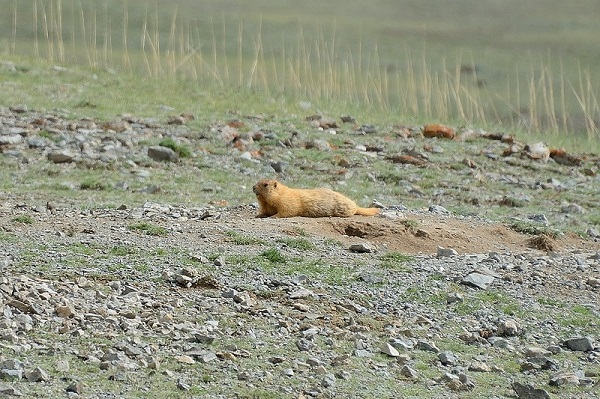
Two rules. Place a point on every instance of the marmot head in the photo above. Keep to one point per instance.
(264, 186)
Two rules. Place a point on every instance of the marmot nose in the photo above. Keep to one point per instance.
(254, 189)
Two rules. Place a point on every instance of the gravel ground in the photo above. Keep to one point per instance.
(164, 301)
(158, 299)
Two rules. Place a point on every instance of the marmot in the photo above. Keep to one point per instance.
(276, 199)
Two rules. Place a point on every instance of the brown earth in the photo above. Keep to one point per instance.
(430, 231)
(410, 232)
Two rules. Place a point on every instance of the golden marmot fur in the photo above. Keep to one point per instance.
(276, 199)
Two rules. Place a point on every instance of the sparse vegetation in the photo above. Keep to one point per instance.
(92, 184)
(533, 228)
(396, 261)
(182, 150)
(243, 239)
(297, 243)
(532, 89)
(273, 255)
(25, 219)
(148, 229)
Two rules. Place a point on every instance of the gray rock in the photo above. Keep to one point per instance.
(301, 293)
(529, 392)
(304, 345)
(478, 280)
(498, 342)
(582, 344)
(446, 252)
(593, 232)
(389, 350)
(447, 358)
(438, 209)
(572, 208)
(10, 139)
(593, 282)
(207, 357)
(160, 153)
(7, 390)
(328, 380)
(539, 218)
(244, 299)
(361, 248)
(479, 367)
(564, 378)
(539, 362)
(63, 156)
(427, 346)
(11, 369)
(319, 144)
(534, 351)
(409, 372)
(363, 353)
(37, 375)
(279, 166)
(454, 297)
(19, 109)
(287, 372)
(182, 385)
(508, 328)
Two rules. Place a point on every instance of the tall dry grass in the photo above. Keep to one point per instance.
(320, 69)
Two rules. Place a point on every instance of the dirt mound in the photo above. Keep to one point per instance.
(423, 234)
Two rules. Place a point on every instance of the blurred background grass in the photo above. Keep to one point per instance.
(527, 66)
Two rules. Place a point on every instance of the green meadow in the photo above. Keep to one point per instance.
(528, 67)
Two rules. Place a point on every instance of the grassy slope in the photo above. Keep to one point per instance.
(508, 42)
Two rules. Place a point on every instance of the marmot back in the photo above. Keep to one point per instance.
(276, 199)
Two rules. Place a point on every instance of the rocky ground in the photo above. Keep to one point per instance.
(159, 299)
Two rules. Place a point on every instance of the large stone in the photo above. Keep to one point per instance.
(7, 390)
(64, 156)
(11, 139)
(447, 358)
(564, 378)
(160, 153)
(529, 392)
(478, 280)
(582, 344)
(389, 350)
(508, 328)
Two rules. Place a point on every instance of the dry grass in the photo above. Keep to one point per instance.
(316, 68)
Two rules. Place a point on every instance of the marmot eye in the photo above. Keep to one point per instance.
(266, 185)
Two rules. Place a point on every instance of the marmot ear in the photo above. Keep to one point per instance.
(275, 184)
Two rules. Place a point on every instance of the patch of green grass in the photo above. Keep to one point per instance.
(550, 302)
(579, 316)
(241, 239)
(148, 229)
(332, 242)
(533, 228)
(489, 298)
(82, 249)
(182, 150)
(25, 219)
(594, 219)
(297, 243)
(257, 393)
(49, 136)
(240, 259)
(411, 224)
(396, 261)
(8, 237)
(122, 250)
(159, 252)
(273, 255)
(93, 184)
